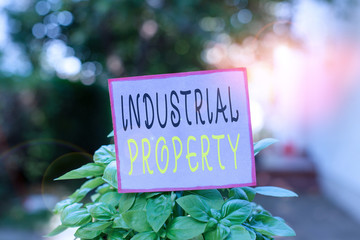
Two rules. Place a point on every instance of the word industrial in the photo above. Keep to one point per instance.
(187, 99)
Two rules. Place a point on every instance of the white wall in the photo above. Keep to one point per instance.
(330, 34)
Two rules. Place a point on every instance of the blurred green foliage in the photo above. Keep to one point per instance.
(45, 113)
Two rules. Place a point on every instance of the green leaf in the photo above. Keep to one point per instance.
(158, 211)
(271, 226)
(236, 211)
(244, 193)
(115, 234)
(86, 234)
(181, 228)
(211, 196)
(91, 230)
(211, 224)
(239, 232)
(226, 222)
(79, 194)
(215, 213)
(110, 174)
(275, 192)
(199, 237)
(152, 194)
(95, 197)
(88, 170)
(252, 234)
(105, 154)
(126, 201)
(111, 198)
(145, 236)
(259, 236)
(104, 188)
(238, 193)
(92, 183)
(128, 233)
(120, 223)
(111, 134)
(264, 143)
(279, 218)
(140, 202)
(62, 204)
(97, 226)
(195, 206)
(263, 237)
(260, 210)
(220, 233)
(101, 211)
(250, 193)
(59, 229)
(73, 215)
(136, 219)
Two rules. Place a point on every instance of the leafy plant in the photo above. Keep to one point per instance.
(205, 214)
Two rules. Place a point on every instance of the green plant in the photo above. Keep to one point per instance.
(206, 214)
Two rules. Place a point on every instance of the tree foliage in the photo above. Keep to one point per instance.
(58, 55)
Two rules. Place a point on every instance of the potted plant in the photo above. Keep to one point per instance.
(204, 214)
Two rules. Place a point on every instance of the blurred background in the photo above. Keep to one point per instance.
(303, 63)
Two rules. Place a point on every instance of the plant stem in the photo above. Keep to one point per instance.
(178, 210)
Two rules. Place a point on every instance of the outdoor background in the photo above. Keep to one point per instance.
(303, 62)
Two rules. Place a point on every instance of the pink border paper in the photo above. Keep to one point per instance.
(161, 76)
